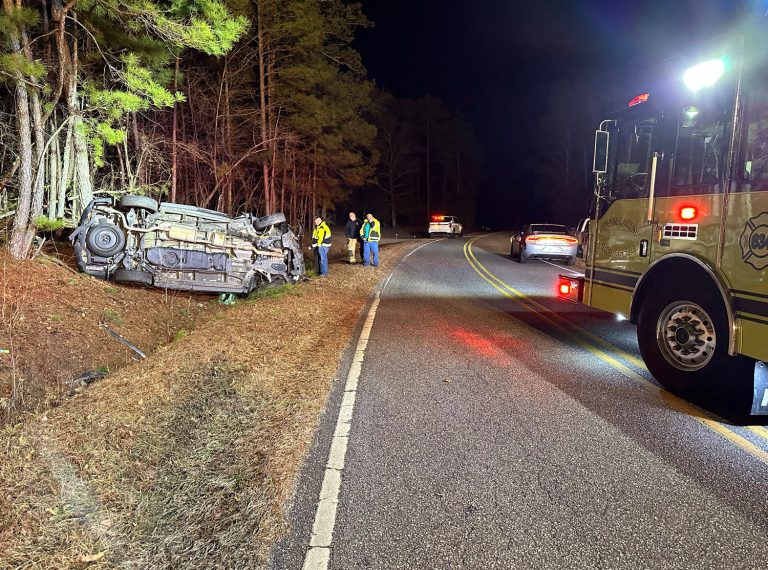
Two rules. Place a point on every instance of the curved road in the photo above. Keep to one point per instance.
(496, 427)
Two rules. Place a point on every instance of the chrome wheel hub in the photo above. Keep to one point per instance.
(686, 336)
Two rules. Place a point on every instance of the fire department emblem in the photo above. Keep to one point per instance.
(754, 242)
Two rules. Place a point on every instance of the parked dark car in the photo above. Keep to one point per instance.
(133, 239)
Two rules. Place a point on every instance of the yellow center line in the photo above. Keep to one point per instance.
(672, 400)
(760, 431)
(638, 363)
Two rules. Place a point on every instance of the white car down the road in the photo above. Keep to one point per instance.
(445, 226)
(544, 241)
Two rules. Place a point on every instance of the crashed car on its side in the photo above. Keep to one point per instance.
(133, 239)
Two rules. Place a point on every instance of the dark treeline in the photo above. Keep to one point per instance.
(237, 105)
(429, 161)
(563, 187)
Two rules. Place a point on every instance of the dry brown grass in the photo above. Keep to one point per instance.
(49, 319)
(186, 459)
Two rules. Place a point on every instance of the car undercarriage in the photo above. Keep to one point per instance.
(133, 239)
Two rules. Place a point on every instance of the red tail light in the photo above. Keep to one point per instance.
(570, 287)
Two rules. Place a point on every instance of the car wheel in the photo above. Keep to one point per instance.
(522, 257)
(266, 221)
(141, 202)
(105, 239)
(133, 276)
(683, 337)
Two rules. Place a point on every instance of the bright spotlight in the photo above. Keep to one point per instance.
(620, 317)
(705, 74)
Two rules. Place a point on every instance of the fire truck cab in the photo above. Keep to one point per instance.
(679, 239)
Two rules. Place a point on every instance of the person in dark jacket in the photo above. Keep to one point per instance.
(352, 231)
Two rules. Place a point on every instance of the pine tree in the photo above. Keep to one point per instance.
(98, 63)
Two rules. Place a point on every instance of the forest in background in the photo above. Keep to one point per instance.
(235, 105)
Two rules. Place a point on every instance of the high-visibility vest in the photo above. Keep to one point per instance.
(371, 231)
(321, 235)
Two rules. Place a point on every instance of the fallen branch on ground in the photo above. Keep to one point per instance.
(122, 340)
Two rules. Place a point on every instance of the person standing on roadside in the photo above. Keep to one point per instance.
(321, 243)
(371, 234)
(352, 231)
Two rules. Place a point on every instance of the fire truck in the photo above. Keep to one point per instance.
(678, 241)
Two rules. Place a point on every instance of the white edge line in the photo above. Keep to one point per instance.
(560, 267)
(318, 554)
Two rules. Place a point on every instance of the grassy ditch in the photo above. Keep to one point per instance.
(51, 330)
(186, 459)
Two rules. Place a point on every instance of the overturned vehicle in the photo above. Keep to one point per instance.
(133, 239)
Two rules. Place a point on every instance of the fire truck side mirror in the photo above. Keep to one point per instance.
(600, 161)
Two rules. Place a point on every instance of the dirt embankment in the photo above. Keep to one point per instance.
(52, 323)
(186, 459)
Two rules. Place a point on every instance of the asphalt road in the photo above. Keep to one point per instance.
(496, 427)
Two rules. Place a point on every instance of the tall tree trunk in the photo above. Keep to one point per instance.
(82, 165)
(20, 238)
(458, 174)
(174, 166)
(80, 155)
(392, 200)
(38, 187)
(268, 205)
(67, 172)
(53, 177)
(429, 179)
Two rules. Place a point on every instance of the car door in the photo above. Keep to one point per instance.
(521, 239)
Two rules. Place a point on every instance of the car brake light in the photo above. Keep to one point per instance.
(559, 239)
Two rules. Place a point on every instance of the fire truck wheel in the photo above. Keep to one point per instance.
(683, 338)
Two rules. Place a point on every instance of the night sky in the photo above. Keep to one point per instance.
(496, 61)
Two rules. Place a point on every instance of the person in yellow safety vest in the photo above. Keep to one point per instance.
(371, 234)
(321, 243)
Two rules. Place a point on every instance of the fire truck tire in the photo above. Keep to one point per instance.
(683, 337)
